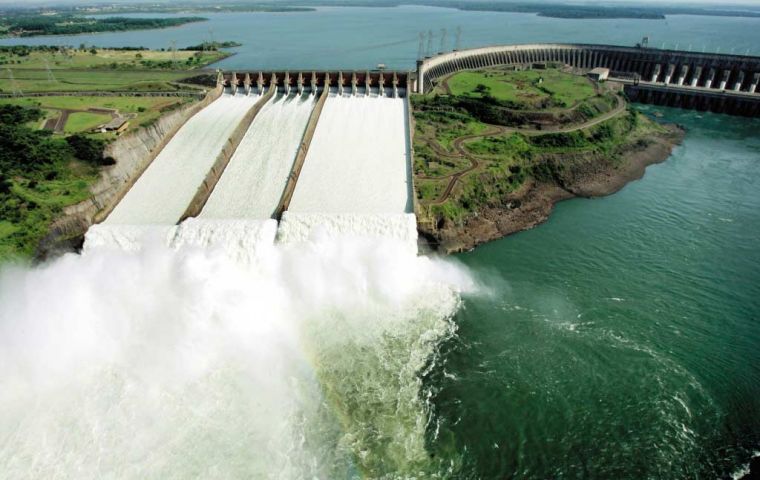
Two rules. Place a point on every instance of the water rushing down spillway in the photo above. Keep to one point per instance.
(163, 192)
(356, 180)
(358, 161)
(253, 182)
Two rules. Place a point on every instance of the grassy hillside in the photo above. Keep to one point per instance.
(476, 144)
(526, 88)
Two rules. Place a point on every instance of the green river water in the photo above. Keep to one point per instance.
(621, 338)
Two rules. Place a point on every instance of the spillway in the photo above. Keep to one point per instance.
(358, 161)
(253, 182)
(356, 179)
(163, 192)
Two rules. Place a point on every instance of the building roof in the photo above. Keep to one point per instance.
(115, 123)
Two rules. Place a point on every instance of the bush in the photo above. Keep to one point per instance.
(89, 150)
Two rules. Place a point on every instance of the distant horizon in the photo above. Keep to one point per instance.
(700, 3)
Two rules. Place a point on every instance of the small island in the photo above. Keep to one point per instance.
(495, 149)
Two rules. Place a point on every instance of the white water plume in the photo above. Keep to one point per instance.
(190, 363)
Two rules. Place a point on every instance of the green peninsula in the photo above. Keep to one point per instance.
(494, 149)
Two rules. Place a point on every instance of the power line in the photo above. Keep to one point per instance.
(458, 41)
(14, 86)
(50, 77)
(174, 53)
(430, 42)
(444, 33)
(421, 48)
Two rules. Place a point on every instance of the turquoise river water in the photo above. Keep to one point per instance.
(620, 339)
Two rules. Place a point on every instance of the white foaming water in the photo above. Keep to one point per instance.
(243, 240)
(300, 227)
(240, 239)
(358, 160)
(127, 237)
(189, 363)
(163, 192)
(253, 182)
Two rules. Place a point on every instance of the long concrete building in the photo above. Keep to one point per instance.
(718, 82)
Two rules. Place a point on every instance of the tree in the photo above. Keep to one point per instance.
(93, 51)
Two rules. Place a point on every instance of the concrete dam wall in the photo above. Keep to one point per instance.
(327, 150)
(722, 83)
(387, 83)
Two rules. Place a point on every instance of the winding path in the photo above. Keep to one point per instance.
(493, 130)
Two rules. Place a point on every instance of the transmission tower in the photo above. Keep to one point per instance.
(421, 48)
(50, 77)
(458, 38)
(443, 45)
(430, 42)
(174, 53)
(14, 86)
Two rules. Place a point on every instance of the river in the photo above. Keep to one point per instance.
(618, 340)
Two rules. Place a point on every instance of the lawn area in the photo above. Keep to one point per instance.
(26, 68)
(85, 121)
(105, 58)
(29, 80)
(146, 109)
(524, 87)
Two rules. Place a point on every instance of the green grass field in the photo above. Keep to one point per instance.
(113, 70)
(28, 80)
(523, 87)
(146, 109)
(104, 58)
(85, 121)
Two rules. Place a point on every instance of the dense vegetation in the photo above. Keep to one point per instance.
(25, 25)
(213, 46)
(39, 175)
(488, 109)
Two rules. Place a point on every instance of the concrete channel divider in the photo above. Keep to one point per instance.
(303, 149)
(223, 159)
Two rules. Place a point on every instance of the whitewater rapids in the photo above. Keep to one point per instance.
(301, 361)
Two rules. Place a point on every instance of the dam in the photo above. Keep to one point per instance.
(281, 156)
(721, 83)
(312, 149)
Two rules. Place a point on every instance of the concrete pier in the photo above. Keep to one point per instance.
(377, 81)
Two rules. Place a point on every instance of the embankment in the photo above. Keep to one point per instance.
(133, 153)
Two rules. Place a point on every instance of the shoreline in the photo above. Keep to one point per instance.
(533, 203)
